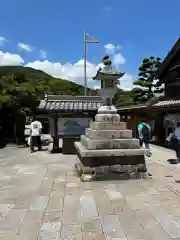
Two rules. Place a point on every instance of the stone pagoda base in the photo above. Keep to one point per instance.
(108, 143)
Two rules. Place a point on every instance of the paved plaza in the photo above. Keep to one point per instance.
(42, 198)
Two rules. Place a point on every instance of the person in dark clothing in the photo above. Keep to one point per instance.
(35, 141)
(144, 132)
(177, 141)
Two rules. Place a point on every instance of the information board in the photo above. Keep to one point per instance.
(72, 126)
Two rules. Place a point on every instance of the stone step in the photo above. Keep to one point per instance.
(110, 143)
(110, 118)
(108, 134)
(84, 152)
(110, 126)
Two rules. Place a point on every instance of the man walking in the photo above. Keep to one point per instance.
(144, 132)
(35, 135)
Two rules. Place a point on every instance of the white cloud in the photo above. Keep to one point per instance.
(9, 59)
(97, 86)
(74, 72)
(25, 47)
(43, 54)
(71, 71)
(117, 57)
(2, 40)
(126, 82)
(111, 48)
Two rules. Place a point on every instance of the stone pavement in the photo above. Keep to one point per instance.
(42, 198)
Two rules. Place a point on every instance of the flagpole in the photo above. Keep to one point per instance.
(93, 40)
(85, 56)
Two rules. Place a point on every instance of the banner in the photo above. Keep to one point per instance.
(73, 126)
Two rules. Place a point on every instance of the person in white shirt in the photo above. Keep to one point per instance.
(35, 135)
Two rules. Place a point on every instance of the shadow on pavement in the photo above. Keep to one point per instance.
(173, 161)
(3, 143)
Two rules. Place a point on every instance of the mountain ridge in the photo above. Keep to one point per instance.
(60, 86)
(7, 70)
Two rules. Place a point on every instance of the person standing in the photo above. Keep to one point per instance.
(35, 135)
(144, 132)
(177, 141)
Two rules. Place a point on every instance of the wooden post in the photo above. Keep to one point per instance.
(136, 122)
(55, 134)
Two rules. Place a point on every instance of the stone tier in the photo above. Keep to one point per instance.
(91, 144)
(108, 118)
(108, 134)
(108, 125)
(84, 152)
(108, 143)
(106, 157)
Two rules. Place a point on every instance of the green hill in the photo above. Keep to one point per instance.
(46, 83)
(27, 71)
(57, 85)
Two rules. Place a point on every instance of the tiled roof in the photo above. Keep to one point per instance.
(167, 103)
(70, 103)
(131, 107)
(172, 103)
(89, 103)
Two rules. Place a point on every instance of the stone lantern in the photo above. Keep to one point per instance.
(109, 78)
(108, 142)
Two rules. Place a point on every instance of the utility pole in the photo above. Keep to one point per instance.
(85, 59)
(91, 40)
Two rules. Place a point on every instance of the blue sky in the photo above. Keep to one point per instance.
(53, 31)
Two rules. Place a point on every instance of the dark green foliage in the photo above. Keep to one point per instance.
(41, 81)
(23, 86)
(146, 81)
(139, 95)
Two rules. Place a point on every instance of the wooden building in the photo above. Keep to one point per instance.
(159, 113)
(67, 116)
(169, 73)
(156, 115)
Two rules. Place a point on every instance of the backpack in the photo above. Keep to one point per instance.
(145, 131)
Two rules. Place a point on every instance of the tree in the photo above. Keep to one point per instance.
(17, 91)
(146, 81)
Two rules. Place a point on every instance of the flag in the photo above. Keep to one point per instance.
(90, 39)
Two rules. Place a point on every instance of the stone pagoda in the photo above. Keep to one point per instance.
(107, 142)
